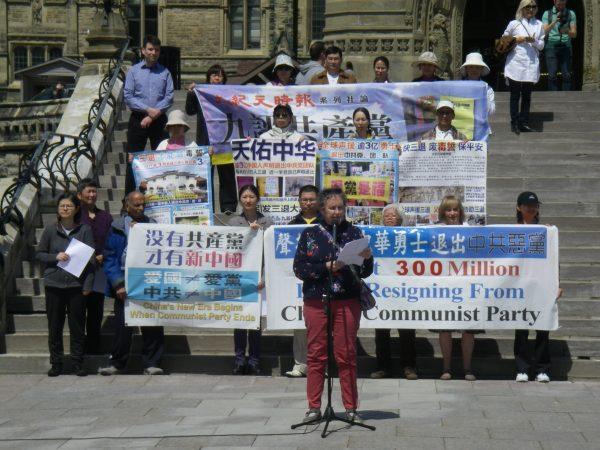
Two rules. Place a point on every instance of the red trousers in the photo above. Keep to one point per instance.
(345, 315)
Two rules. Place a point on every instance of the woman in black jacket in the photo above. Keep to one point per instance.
(65, 293)
(314, 263)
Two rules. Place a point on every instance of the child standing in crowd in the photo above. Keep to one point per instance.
(65, 293)
(473, 69)
(528, 213)
(250, 217)
(451, 212)
(284, 70)
(177, 128)
(309, 214)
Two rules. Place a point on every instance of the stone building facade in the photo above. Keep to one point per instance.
(242, 34)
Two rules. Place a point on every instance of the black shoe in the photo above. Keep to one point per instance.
(239, 369)
(525, 128)
(55, 371)
(253, 369)
(514, 128)
(79, 371)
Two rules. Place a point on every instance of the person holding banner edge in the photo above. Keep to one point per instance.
(452, 212)
(361, 118)
(313, 265)
(309, 214)
(115, 252)
(248, 197)
(227, 192)
(528, 213)
(392, 217)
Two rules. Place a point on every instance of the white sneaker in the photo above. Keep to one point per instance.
(294, 373)
(542, 378)
(522, 378)
(108, 371)
(153, 371)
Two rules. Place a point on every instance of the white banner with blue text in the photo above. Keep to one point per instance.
(195, 276)
(441, 277)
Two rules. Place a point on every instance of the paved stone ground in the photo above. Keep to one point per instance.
(202, 411)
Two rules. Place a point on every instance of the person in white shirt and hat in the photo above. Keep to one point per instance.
(444, 130)
(284, 70)
(177, 127)
(473, 69)
(427, 64)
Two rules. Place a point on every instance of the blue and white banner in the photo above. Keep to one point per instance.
(442, 277)
(176, 184)
(183, 275)
(403, 111)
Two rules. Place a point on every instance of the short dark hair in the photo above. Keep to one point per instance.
(85, 183)
(333, 49)
(151, 39)
(287, 109)
(383, 59)
(216, 69)
(251, 188)
(316, 50)
(72, 197)
(328, 193)
(308, 188)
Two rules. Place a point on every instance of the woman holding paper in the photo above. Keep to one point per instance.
(316, 264)
(65, 292)
(452, 212)
(248, 197)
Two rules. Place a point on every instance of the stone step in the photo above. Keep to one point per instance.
(563, 368)
(551, 208)
(580, 255)
(31, 304)
(491, 344)
(580, 289)
(568, 127)
(570, 309)
(502, 116)
(563, 223)
(580, 272)
(518, 169)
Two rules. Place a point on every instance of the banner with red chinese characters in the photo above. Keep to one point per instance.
(402, 111)
(278, 168)
(365, 172)
(196, 276)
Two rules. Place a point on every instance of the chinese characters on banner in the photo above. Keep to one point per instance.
(279, 169)
(441, 277)
(184, 275)
(402, 111)
(365, 172)
(176, 184)
(430, 170)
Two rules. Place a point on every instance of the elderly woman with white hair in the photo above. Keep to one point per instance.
(393, 217)
(522, 68)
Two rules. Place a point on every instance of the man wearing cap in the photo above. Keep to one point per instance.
(314, 66)
(148, 93)
(284, 70)
(427, 63)
(444, 130)
(333, 74)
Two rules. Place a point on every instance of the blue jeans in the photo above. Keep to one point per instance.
(559, 58)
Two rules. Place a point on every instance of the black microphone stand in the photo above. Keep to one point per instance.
(329, 414)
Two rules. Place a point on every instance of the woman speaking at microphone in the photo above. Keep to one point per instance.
(315, 261)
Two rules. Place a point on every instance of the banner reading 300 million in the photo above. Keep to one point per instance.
(444, 277)
(182, 275)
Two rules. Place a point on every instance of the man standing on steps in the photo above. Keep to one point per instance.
(314, 66)
(99, 221)
(333, 73)
(560, 25)
(148, 93)
(308, 197)
(114, 268)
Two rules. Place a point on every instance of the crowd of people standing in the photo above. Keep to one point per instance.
(148, 92)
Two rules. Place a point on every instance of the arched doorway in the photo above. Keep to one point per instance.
(486, 20)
